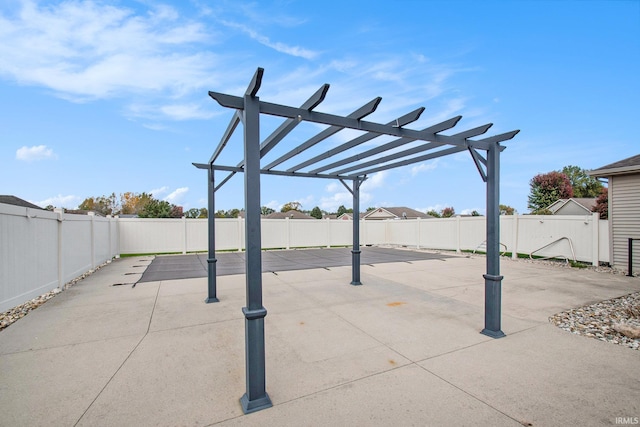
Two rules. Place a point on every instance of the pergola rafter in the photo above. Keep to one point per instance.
(354, 168)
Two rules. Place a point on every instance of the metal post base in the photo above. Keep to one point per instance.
(492, 306)
(355, 268)
(211, 274)
(492, 334)
(256, 405)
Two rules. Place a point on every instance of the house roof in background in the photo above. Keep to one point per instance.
(16, 201)
(289, 214)
(398, 212)
(628, 165)
(584, 202)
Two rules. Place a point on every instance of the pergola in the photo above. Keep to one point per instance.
(353, 169)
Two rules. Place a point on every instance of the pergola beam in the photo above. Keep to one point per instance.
(466, 134)
(400, 121)
(289, 124)
(361, 112)
(448, 124)
(230, 101)
(235, 169)
(233, 123)
(491, 140)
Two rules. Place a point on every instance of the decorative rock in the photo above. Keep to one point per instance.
(18, 312)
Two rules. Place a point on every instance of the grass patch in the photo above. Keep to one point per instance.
(577, 264)
(152, 253)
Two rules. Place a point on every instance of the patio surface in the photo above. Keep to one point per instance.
(403, 349)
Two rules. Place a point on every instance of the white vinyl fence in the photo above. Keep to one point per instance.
(43, 250)
(583, 237)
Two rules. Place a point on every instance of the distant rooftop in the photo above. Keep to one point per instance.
(16, 201)
(628, 165)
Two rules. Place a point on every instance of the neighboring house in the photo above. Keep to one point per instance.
(16, 201)
(573, 206)
(624, 209)
(329, 216)
(288, 214)
(395, 213)
(86, 212)
(349, 216)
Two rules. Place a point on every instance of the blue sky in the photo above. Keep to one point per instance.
(100, 97)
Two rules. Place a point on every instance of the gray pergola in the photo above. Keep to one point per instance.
(332, 164)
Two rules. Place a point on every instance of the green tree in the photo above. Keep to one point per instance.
(204, 213)
(192, 213)
(156, 209)
(233, 213)
(433, 213)
(341, 210)
(221, 214)
(264, 210)
(291, 206)
(602, 203)
(106, 205)
(316, 213)
(475, 213)
(134, 203)
(448, 212)
(506, 210)
(583, 185)
(546, 189)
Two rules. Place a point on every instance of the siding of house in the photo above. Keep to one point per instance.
(571, 208)
(624, 200)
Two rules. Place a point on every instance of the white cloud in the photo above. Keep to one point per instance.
(375, 181)
(275, 205)
(91, 50)
(277, 46)
(186, 112)
(157, 192)
(60, 201)
(176, 196)
(36, 152)
(470, 211)
(423, 167)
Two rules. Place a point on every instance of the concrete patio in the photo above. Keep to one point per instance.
(403, 349)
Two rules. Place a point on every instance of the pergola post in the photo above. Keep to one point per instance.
(355, 252)
(256, 397)
(211, 260)
(493, 279)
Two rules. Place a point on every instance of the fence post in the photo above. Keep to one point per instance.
(286, 222)
(458, 235)
(239, 234)
(514, 249)
(60, 218)
(418, 235)
(595, 240)
(328, 232)
(630, 258)
(184, 235)
(93, 238)
(117, 254)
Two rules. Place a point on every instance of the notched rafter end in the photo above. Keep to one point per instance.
(256, 81)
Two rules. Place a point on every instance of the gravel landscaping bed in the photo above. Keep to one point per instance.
(616, 320)
(18, 312)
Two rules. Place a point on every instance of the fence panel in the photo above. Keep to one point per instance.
(76, 245)
(28, 254)
(64, 246)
